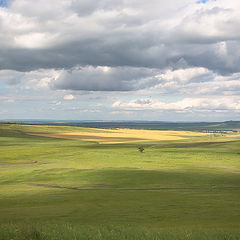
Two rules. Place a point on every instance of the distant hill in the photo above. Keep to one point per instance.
(157, 125)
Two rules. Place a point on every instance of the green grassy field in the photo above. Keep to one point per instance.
(191, 184)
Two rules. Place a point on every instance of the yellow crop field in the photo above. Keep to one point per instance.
(123, 135)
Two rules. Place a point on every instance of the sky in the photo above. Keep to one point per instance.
(175, 60)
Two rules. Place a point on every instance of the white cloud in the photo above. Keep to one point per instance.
(68, 97)
(58, 103)
(89, 111)
(175, 49)
(183, 75)
(155, 34)
(197, 81)
(185, 105)
(34, 40)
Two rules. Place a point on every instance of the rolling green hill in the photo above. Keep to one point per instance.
(179, 187)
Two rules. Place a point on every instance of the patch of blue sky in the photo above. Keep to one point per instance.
(3, 3)
(3, 88)
(2, 84)
(205, 1)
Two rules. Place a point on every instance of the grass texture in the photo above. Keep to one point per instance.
(184, 180)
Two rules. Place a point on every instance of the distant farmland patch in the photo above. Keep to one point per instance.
(123, 135)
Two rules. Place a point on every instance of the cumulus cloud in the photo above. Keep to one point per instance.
(152, 34)
(200, 81)
(105, 79)
(222, 104)
(39, 78)
(182, 82)
(168, 48)
(68, 97)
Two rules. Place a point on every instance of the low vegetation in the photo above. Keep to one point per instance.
(185, 186)
(141, 149)
(70, 232)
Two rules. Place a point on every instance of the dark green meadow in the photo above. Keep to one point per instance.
(54, 188)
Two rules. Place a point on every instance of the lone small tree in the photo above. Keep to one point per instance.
(141, 149)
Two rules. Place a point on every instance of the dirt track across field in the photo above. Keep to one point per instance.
(106, 187)
(18, 163)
